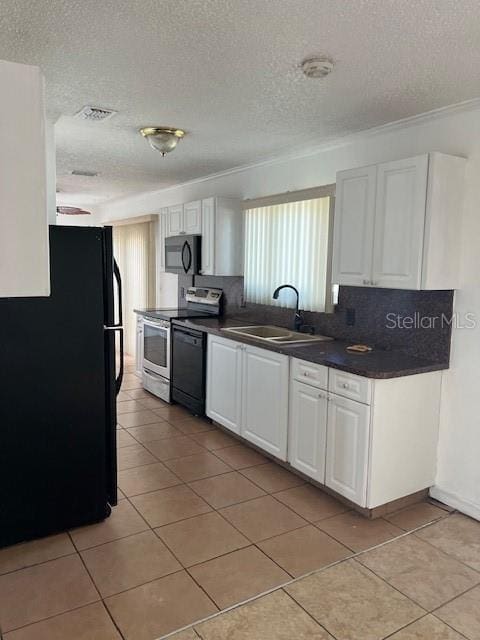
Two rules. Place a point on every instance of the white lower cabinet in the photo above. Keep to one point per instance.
(371, 441)
(308, 430)
(265, 400)
(224, 382)
(247, 392)
(348, 429)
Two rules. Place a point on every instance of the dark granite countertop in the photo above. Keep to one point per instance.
(378, 363)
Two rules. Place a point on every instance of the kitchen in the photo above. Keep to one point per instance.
(277, 493)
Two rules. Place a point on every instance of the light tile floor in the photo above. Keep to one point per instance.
(204, 523)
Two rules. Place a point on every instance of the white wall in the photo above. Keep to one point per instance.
(455, 131)
(24, 250)
(79, 221)
(51, 172)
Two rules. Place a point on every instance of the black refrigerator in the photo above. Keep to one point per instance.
(59, 377)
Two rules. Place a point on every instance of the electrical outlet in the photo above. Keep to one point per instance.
(350, 317)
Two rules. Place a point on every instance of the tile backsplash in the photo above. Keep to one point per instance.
(416, 322)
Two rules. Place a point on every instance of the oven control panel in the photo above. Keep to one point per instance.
(203, 295)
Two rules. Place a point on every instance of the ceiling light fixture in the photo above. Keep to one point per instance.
(162, 139)
(317, 67)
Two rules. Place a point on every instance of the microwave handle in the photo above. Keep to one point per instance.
(186, 267)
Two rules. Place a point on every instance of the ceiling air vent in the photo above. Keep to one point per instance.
(95, 114)
(72, 211)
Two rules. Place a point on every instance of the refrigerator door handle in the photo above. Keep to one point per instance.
(118, 278)
(118, 326)
(118, 381)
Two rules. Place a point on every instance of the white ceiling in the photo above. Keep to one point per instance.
(227, 72)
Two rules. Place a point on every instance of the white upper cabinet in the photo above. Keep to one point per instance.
(222, 237)
(161, 235)
(208, 237)
(220, 223)
(192, 218)
(398, 224)
(24, 248)
(175, 220)
(353, 228)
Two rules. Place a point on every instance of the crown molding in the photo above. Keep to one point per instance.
(328, 144)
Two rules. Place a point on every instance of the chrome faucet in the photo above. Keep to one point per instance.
(298, 317)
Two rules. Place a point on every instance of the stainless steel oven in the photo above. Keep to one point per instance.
(156, 357)
(182, 254)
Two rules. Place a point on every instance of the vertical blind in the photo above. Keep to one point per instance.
(287, 244)
(134, 250)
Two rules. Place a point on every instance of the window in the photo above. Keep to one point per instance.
(134, 250)
(288, 243)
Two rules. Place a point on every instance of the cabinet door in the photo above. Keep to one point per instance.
(208, 237)
(399, 223)
(308, 430)
(348, 428)
(161, 235)
(175, 220)
(139, 346)
(192, 217)
(224, 382)
(265, 400)
(353, 226)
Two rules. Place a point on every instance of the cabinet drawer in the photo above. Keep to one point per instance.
(350, 386)
(310, 373)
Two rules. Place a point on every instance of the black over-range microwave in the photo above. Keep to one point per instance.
(183, 254)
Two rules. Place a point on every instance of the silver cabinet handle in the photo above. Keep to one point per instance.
(345, 385)
(366, 282)
(375, 283)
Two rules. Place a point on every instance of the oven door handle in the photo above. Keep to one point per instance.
(186, 245)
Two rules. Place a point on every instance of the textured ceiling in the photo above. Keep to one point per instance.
(227, 72)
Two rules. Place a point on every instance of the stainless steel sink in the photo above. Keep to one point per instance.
(275, 335)
(262, 331)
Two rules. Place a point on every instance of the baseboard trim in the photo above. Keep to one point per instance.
(452, 500)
